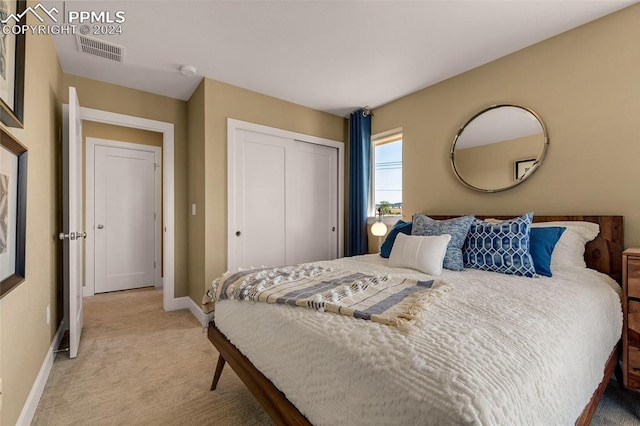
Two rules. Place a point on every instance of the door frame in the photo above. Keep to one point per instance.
(234, 125)
(90, 145)
(169, 301)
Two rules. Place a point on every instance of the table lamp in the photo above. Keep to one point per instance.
(379, 229)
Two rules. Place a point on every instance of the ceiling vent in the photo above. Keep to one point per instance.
(102, 49)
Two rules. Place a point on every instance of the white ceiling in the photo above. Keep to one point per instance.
(333, 56)
(499, 125)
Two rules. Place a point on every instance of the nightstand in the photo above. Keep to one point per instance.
(631, 325)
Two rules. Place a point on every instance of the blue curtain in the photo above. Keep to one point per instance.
(359, 180)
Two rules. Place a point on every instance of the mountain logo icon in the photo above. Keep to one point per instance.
(39, 11)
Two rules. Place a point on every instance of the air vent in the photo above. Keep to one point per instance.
(102, 49)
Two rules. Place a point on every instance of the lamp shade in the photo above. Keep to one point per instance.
(378, 229)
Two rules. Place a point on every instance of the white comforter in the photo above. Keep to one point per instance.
(493, 350)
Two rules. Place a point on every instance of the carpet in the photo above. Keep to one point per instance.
(139, 365)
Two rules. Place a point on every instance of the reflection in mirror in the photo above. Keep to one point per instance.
(499, 148)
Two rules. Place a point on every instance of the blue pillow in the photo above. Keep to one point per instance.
(543, 241)
(501, 247)
(400, 226)
(457, 227)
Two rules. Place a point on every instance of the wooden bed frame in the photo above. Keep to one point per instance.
(603, 254)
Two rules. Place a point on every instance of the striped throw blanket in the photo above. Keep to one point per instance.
(388, 300)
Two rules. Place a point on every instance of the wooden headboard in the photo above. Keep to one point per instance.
(603, 254)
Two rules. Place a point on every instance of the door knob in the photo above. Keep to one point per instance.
(71, 236)
(238, 233)
(100, 226)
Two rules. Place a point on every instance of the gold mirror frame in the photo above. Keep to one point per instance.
(538, 160)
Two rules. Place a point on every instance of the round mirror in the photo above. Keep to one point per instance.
(499, 147)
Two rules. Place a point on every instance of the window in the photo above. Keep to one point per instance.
(387, 172)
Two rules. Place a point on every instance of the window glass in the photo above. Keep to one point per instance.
(387, 190)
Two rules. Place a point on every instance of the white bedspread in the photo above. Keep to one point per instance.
(494, 350)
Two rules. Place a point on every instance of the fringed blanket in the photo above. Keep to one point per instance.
(388, 300)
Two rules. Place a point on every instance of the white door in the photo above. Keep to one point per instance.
(284, 201)
(260, 204)
(124, 218)
(315, 216)
(73, 234)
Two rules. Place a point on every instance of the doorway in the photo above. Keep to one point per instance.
(169, 301)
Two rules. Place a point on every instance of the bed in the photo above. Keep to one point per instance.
(480, 360)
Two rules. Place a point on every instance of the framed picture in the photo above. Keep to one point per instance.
(11, 64)
(13, 212)
(522, 167)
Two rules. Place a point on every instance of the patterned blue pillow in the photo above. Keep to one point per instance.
(400, 227)
(457, 227)
(501, 247)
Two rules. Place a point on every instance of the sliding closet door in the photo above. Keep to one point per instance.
(260, 186)
(315, 218)
(283, 201)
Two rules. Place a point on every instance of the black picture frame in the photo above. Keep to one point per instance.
(13, 116)
(521, 167)
(19, 273)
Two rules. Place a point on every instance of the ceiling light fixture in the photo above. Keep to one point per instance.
(188, 70)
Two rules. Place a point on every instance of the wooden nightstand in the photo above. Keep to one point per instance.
(631, 325)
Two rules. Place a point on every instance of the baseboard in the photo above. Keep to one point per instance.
(30, 405)
(187, 303)
(176, 304)
(197, 312)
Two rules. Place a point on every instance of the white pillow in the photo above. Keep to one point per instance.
(494, 221)
(423, 253)
(569, 251)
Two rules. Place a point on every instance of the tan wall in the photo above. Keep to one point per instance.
(220, 102)
(118, 99)
(492, 166)
(585, 86)
(26, 337)
(93, 129)
(196, 187)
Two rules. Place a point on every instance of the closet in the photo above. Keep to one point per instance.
(284, 197)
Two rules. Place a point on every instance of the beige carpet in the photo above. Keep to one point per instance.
(139, 365)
